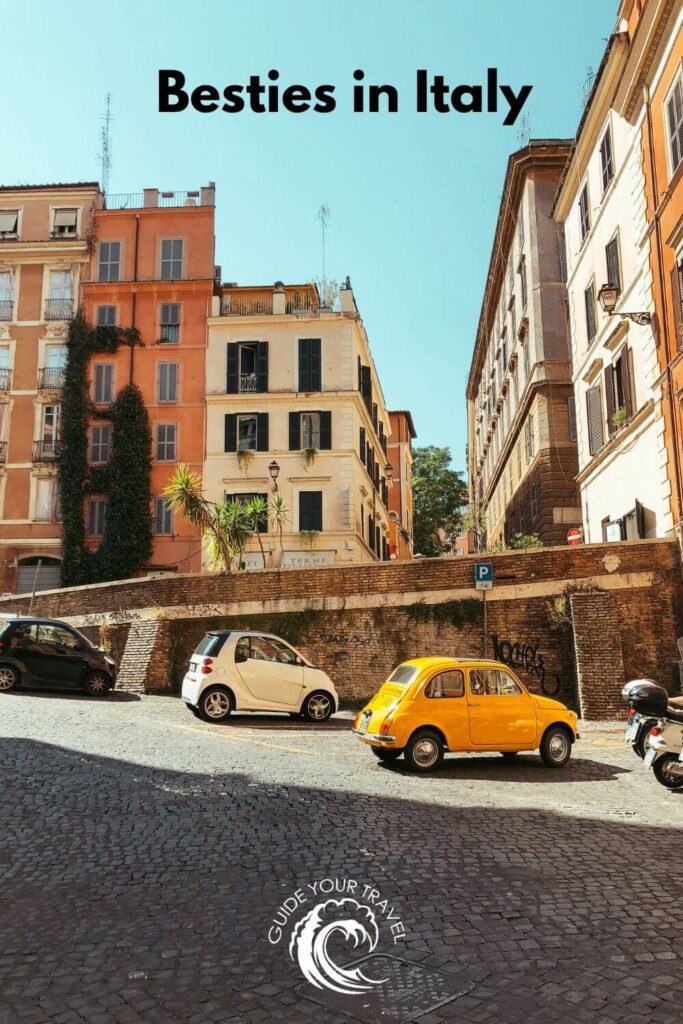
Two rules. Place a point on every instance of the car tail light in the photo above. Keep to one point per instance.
(206, 666)
(385, 726)
(631, 712)
(655, 731)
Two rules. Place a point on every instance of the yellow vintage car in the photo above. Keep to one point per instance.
(430, 706)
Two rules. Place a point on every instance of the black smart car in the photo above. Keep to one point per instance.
(49, 653)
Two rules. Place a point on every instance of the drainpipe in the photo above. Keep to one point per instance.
(665, 322)
(134, 297)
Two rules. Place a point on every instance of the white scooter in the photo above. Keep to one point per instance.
(665, 750)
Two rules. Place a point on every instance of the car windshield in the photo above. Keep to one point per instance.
(403, 675)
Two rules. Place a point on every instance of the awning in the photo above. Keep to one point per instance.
(8, 221)
(65, 218)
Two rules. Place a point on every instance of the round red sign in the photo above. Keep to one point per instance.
(574, 536)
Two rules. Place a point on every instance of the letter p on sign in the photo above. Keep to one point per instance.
(483, 575)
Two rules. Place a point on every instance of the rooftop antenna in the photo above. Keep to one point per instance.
(588, 84)
(324, 216)
(524, 131)
(105, 145)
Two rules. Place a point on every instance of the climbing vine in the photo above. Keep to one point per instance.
(125, 480)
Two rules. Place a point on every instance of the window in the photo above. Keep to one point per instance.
(571, 416)
(310, 510)
(103, 390)
(529, 439)
(613, 263)
(171, 259)
(56, 357)
(446, 684)
(167, 382)
(677, 298)
(97, 516)
(493, 682)
(674, 117)
(533, 495)
(262, 648)
(246, 433)
(47, 500)
(522, 281)
(6, 285)
(244, 499)
(9, 221)
(520, 227)
(314, 430)
(310, 430)
(170, 323)
(105, 316)
(310, 364)
(100, 443)
(619, 390)
(594, 412)
(247, 367)
(525, 358)
(591, 323)
(60, 285)
(584, 213)
(65, 223)
(163, 517)
(51, 424)
(513, 320)
(58, 637)
(606, 159)
(166, 442)
(109, 262)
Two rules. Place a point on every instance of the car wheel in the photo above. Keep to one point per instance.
(425, 751)
(96, 684)
(215, 705)
(318, 707)
(9, 677)
(384, 754)
(556, 747)
(664, 775)
(509, 754)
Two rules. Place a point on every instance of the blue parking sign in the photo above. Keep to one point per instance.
(483, 575)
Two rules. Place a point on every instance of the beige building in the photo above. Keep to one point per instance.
(521, 452)
(294, 404)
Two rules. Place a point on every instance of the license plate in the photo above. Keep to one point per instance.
(365, 718)
(631, 730)
(650, 756)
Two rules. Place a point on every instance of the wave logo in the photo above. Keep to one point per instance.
(311, 938)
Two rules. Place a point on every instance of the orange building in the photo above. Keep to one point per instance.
(400, 455)
(153, 269)
(45, 237)
(658, 87)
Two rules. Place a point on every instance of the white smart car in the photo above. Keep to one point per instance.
(245, 671)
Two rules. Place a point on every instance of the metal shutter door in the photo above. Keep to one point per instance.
(49, 578)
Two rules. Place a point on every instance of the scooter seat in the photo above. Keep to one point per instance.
(674, 713)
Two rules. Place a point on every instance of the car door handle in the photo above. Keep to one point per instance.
(474, 704)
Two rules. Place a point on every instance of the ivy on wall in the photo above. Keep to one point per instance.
(125, 481)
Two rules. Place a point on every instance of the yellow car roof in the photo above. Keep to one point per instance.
(433, 660)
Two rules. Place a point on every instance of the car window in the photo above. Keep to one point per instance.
(265, 649)
(57, 636)
(493, 682)
(242, 649)
(24, 635)
(403, 675)
(210, 643)
(446, 684)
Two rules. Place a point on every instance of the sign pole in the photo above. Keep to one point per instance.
(483, 580)
(486, 643)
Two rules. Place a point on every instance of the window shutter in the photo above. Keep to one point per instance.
(594, 409)
(310, 510)
(232, 387)
(262, 432)
(230, 432)
(173, 382)
(366, 387)
(362, 444)
(628, 381)
(294, 438)
(591, 327)
(262, 366)
(304, 364)
(163, 381)
(676, 276)
(325, 431)
(315, 383)
(609, 399)
(613, 268)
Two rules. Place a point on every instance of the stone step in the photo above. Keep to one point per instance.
(132, 675)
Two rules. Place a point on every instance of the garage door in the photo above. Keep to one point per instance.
(49, 577)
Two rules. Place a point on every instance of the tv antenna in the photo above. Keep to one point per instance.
(105, 145)
(323, 217)
(588, 84)
(524, 131)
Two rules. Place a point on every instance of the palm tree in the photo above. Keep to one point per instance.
(256, 510)
(184, 494)
(278, 513)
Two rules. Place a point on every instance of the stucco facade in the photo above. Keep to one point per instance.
(521, 453)
(400, 451)
(601, 205)
(45, 240)
(293, 384)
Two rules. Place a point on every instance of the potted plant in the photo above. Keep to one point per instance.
(309, 457)
(619, 417)
(308, 537)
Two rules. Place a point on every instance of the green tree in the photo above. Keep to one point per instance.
(72, 463)
(439, 494)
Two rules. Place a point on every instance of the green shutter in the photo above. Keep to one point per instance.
(325, 431)
(262, 432)
(304, 364)
(315, 364)
(362, 445)
(294, 432)
(232, 384)
(262, 366)
(230, 432)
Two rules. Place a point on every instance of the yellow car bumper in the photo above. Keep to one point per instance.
(371, 737)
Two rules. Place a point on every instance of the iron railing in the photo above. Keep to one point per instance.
(5, 379)
(300, 302)
(59, 309)
(3, 452)
(6, 309)
(46, 451)
(180, 198)
(136, 200)
(125, 201)
(248, 383)
(169, 334)
(51, 378)
(236, 305)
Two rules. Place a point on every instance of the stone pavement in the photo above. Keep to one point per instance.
(144, 856)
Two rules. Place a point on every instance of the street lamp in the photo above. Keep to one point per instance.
(389, 472)
(274, 470)
(608, 296)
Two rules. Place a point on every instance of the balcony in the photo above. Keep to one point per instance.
(59, 309)
(3, 452)
(170, 334)
(51, 378)
(153, 198)
(5, 379)
(46, 451)
(236, 305)
(248, 384)
(6, 309)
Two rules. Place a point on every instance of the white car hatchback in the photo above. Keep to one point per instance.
(245, 671)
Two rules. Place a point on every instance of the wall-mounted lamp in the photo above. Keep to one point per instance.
(274, 470)
(608, 296)
(389, 472)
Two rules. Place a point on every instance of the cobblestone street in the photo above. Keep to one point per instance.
(144, 856)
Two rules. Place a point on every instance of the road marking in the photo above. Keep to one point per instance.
(225, 735)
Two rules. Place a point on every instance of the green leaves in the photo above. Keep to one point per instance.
(439, 494)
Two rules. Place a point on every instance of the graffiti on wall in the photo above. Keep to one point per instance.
(525, 657)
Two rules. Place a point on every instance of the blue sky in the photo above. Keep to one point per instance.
(413, 197)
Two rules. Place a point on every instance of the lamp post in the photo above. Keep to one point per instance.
(608, 296)
(274, 470)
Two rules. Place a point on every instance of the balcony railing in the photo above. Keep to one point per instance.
(153, 199)
(169, 334)
(6, 309)
(59, 309)
(5, 379)
(51, 378)
(248, 383)
(301, 302)
(236, 305)
(3, 452)
(46, 451)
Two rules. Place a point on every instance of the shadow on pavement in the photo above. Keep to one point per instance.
(113, 697)
(523, 768)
